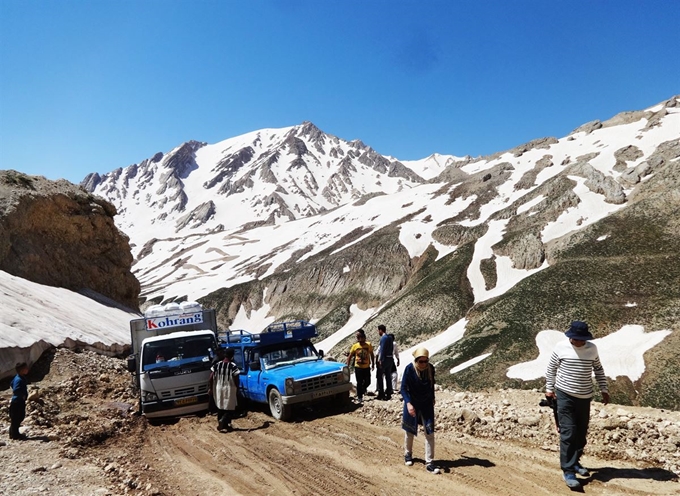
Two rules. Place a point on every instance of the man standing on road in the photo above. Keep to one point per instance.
(417, 389)
(225, 380)
(569, 379)
(364, 362)
(385, 358)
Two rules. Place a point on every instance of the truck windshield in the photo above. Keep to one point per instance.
(289, 355)
(171, 352)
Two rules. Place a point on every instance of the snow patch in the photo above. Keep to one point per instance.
(621, 353)
(469, 363)
(356, 321)
(255, 321)
(33, 313)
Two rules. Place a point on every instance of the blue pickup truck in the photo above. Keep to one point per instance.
(281, 367)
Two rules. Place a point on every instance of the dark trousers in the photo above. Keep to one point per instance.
(17, 414)
(384, 377)
(574, 416)
(224, 418)
(363, 380)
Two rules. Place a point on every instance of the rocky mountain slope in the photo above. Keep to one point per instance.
(294, 223)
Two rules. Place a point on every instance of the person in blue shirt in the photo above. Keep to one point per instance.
(417, 389)
(17, 406)
(385, 359)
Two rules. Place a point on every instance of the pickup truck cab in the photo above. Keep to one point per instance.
(282, 368)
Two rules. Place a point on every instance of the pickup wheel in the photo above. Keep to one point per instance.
(278, 409)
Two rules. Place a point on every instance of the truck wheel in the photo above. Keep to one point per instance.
(278, 409)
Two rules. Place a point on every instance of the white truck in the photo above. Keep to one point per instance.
(172, 350)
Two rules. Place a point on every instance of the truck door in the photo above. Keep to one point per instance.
(256, 388)
(240, 360)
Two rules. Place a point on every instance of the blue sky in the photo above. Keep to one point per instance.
(90, 86)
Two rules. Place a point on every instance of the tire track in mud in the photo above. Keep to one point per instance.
(255, 461)
(347, 454)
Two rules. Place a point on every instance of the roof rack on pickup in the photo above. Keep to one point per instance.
(275, 333)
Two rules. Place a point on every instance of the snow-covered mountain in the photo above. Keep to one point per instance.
(268, 177)
(203, 217)
(477, 258)
(430, 167)
(484, 261)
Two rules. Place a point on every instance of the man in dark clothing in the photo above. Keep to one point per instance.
(17, 406)
(569, 380)
(385, 364)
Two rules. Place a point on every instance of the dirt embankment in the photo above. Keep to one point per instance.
(83, 440)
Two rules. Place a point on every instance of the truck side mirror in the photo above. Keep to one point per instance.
(131, 363)
(320, 353)
(254, 365)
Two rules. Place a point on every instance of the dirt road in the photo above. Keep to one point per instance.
(83, 440)
(345, 454)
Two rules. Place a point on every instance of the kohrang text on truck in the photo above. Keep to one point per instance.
(172, 350)
(280, 367)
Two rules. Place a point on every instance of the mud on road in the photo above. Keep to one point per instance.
(83, 440)
(345, 454)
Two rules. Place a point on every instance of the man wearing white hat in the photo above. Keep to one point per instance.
(417, 389)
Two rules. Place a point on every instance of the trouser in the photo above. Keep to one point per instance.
(224, 418)
(17, 414)
(429, 445)
(395, 379)
(574, 415)
(384, 376)
(363, 380)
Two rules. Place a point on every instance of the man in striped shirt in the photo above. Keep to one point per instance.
(569, 380)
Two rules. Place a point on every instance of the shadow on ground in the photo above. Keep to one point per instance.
(606, 474)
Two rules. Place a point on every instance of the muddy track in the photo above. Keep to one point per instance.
(82, 439)
(345, 454)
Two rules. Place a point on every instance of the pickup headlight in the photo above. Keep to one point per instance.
(290, 386)
(149, 396)
(345, 373)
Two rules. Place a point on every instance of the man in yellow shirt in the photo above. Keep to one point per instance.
(364, 362)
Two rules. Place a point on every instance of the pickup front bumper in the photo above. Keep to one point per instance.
(316, 395)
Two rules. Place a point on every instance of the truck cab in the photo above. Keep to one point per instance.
(281, 367)
(173, 348)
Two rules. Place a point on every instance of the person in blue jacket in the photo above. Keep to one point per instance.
(17, 406)
(417, 390)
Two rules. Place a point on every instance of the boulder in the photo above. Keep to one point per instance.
(57, 234)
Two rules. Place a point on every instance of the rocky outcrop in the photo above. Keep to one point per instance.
(633, 434)
(543, 143)
(526, 251)
(528, 180)
(229, 166)
(626, 154)
(56, 233)
(665, 152)
(197, 216)
(597, 182)
(587, 128)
